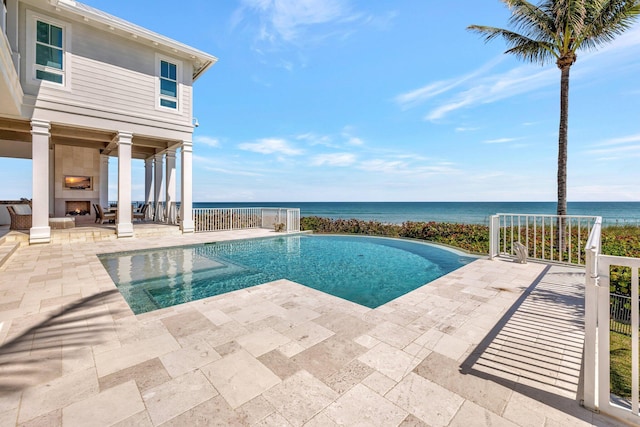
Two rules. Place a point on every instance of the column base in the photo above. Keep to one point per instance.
(39, 235)
(187, 227)
(124, 229)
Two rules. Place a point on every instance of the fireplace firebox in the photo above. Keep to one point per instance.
(75, 207)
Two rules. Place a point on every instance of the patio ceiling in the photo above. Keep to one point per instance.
(12, 130)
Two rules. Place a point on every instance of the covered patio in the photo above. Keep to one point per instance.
(61, 152)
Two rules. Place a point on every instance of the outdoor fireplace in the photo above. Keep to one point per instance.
(77, 207)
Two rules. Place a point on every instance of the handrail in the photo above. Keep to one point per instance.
(219, 219)
(546, 237)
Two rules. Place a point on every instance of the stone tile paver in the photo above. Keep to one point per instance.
(177, 396)
(188, 358)
(146, 374)
(300, 397)
(389, 361)
(239, 377)
(361, 406)
(58, 393)
(428, 401)
(109, 407)
(262, 341)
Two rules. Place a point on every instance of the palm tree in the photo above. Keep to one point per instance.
(556, 30)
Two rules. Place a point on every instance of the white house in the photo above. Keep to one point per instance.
(78, 86)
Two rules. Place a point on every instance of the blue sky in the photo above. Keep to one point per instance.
(345, 100)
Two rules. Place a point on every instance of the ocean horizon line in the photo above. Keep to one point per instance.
(459, 212)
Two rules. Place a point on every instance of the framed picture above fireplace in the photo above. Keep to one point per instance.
(78, 182)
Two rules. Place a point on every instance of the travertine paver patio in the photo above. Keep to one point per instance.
(493, 343)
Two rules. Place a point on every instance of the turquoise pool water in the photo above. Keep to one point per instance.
(370, 271)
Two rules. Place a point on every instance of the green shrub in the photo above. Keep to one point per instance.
(469, 237)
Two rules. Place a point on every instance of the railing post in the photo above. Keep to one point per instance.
(494, 236)
(590, 360)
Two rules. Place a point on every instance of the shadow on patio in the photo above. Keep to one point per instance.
(35, 353)
(536, 347)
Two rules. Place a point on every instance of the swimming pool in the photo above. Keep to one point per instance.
(370, 271)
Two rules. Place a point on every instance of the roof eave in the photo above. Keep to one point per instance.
(206, 60)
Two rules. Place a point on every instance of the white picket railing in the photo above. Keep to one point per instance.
(220, 219)
(597, 394)
(546, 237)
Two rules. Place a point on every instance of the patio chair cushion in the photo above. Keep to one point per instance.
(22, 209)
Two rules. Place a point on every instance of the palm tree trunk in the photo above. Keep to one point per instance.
(562, 141)
(562, 159)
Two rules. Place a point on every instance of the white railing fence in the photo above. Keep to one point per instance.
(220, 219)
(600, 309)
(546, 237)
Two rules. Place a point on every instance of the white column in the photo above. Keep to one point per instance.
(186, 205)
(171, 187)
(124, 226)
(157, 212)
(52, 181)
(40, 231)
(104, 180)
(148, 180)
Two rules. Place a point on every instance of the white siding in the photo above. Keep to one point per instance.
(113, 74)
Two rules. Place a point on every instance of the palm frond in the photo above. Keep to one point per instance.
(533, 21)
(609, 19)
(519, 45)
(535, 51)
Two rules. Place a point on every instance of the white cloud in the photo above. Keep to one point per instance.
(207, 140)
(615, 149)
(399, 167)
(237, 172)
(379, 165)
(354, 140)
(314, 139)
(347, 133)
(287, 19)
(500, 140)
(466, 129)
(493, 88)
(634, 149)
(477, 87)
(334, 159)
(271, 146)
(618, 141)
(417, 96)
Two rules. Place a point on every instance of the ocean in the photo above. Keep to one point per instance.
(461, 212)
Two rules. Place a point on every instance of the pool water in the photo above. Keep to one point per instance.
(370, 271)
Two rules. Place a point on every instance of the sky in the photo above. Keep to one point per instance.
(360, 100)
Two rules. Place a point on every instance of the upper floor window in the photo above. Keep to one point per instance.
(48, 42)
(49, 52)
(168, 85)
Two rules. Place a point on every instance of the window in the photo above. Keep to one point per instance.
(49, 52)
(168, 85)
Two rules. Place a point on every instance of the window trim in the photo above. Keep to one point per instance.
(158, 96)
(31, 40)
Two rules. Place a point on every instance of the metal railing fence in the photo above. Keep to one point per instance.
(221, 219)
(620, 314)
(546, 237)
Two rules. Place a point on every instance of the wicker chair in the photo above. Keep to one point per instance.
(19, 221)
